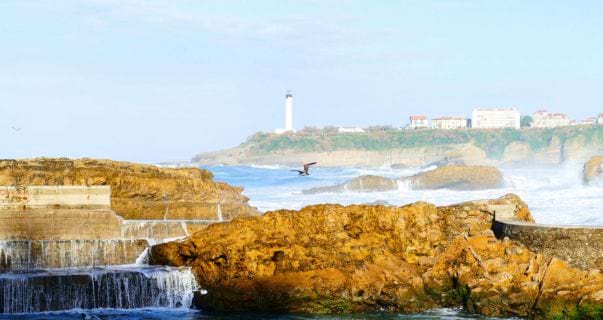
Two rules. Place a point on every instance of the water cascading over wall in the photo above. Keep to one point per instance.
(43, 254)
(96, 288)
(56, 240)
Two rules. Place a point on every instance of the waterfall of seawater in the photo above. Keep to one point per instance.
(219, 213)
(58, 275)
(124, 288)
(44, 254)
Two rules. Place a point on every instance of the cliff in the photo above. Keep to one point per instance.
(456, 177)
(593, 169)
(331, 258)
(415, 147)
(137, 191)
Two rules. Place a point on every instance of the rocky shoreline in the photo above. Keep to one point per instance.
(336, 259)
(416, 148)
(137, 191)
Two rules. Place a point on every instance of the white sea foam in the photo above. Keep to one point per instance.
(556, 195)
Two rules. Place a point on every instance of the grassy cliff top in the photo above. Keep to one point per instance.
(493, 141)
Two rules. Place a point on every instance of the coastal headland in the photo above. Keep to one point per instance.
(341, 259)
(415, 148)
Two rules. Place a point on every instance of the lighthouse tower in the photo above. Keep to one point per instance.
(289, 111)
(288, 114)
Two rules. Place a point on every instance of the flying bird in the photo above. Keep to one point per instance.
(306, 168)
(16, 129)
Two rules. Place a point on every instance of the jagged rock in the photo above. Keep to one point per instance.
(331, 258)
(137, 191)
(458, 177)
(367, 183)
(593, 169)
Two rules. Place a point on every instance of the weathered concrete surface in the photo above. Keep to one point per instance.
(137, 191)
(37, 197)
(162, 229)
(59, 224)
(580, 246)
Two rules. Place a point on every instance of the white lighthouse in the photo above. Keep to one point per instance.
(288, 114)
(289, 111)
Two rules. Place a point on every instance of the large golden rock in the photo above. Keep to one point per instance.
(593, 169)
(366, 183)
(331, 258)
(137, 191)
(458, 177)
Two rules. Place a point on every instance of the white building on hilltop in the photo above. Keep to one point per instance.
(449, 123)
(496, 118)
(288, 115)
(350, 130)
(418, 122)
(544, 119)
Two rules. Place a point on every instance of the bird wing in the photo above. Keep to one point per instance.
(299, 171)
(307, 166)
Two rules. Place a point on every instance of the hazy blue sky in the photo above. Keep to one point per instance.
(162, 80)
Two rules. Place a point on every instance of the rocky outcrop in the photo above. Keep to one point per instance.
(331, 258)
(416, 148)
(456, 177)
(137, 191)
(367, 183)
(593, 169)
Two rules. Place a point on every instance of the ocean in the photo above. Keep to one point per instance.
(555, 195)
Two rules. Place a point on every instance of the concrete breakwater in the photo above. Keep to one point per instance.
(63, 247)
(580, 246)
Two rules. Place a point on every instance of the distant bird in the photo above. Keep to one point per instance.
(306, 168)
(16, 129)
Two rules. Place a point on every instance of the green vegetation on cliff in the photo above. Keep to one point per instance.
(491, 141)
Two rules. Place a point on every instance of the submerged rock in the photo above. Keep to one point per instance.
(457, 177)
(137, 191)
(331, 258)
(367, 183)
(593, 169)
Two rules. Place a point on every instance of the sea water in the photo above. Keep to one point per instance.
(555, 194)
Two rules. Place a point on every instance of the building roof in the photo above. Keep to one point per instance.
(418, 117)
(449, 118)
(495, 109)
(557, 115)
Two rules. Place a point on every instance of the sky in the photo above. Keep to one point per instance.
(163, 80)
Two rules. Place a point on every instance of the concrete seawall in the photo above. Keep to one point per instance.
(36, 197)
(580, 246)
